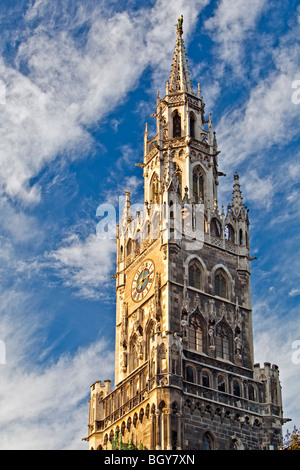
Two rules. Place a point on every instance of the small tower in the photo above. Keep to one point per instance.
(184, 368)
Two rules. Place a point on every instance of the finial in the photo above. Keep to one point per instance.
(236, 176)
(199, 90)
(215, 143)
(179, 25)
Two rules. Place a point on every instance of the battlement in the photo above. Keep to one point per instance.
(98, 388)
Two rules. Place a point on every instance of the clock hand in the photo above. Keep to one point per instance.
(142, 280)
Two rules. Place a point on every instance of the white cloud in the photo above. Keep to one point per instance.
(71, 84)
(294, 292)
(273, 342)
(258, 190)
(44, 406)
(230, 26)
(51, 410)
(267, 119)
(85, 265)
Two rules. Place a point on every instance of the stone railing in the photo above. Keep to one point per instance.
(237, 402)
(122, 410)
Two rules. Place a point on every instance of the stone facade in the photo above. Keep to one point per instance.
(185, 376)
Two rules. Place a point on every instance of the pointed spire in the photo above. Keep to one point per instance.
(180, 77)
(237, 200)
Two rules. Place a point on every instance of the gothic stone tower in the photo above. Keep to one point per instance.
(185, 376)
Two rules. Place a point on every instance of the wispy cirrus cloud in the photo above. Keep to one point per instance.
(232, 24)
(273, 341)
(66, 77)
(85, 265)
(294, 292)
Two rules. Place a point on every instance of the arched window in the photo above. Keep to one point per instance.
(194, 275)
(229, 233)
(195, 334)
(207, 442)
(223, 341)
(176, 124)
(192, 125)
(198, 185)
(236, 389)
(251, 392)
(215, 228)
(154, 189)
(129, 246)
(221, 384)
(241, 237)
(205, 379)
(189, 374)
(220, 284)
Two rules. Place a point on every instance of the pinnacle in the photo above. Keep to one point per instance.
(180, 76)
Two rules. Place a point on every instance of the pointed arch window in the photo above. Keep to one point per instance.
(251, 393)
(229, 233)
(129, 246)
(176, 124)
(241, 237)
(192, 125)
(221, 284)
(207, 442)
(236, 389)
(221, 384)
(198, 185)
(195, 334)
(205, 379)
(223, 342)
(194, 275)
(189, 374)
(215, 228)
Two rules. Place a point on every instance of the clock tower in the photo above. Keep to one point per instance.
(185, 376)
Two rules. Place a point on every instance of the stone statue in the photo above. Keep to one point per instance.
(179, 24)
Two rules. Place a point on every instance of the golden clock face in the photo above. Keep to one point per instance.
(142, 281)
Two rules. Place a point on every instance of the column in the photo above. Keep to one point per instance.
(158, 442)
(152, 435)
(162, 430)
(169, 429)
(179, 439)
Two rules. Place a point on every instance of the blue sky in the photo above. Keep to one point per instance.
(78, 81)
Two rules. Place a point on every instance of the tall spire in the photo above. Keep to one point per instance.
(180, 77)
(237, 200)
